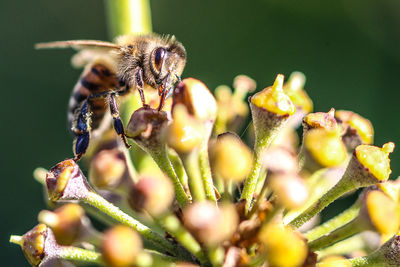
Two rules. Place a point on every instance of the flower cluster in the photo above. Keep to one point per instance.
(190, 192)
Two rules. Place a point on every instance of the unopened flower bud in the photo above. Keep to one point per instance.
(146, 127)
(107, 169)
(67, 223)
(120, 246)
(290, 190)
(185, 132)
(154, 195)
(65, 181)
(322, 120)
(375, 159)
(231, 158)
(322, 149)
(369, 165)
(380, 212)
(197, 98)
(243, 84)
(282, 246)
(294, 88)
(33, 244)
(273, 99)
(209, 224)
(357, 130)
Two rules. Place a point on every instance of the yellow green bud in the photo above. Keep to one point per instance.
(376, 159)
(231, 158)
(120, 246)
(274, 99)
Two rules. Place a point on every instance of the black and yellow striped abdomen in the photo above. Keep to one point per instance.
(96, 78)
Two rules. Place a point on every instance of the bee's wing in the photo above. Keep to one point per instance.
(77, 44)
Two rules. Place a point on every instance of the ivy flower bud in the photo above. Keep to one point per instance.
(197, 99)
(154, 195)
(294, 88)
(270, 109)
(273, 99)
(231, 158)
(67, 222)
(369, 165)
(107, 169)
(34, 242)
(243, 84)
(209, 224)
(282, 246)
(380, 212)
(357, 130)
(184, 133)
(322, 120)
(147, 127)
(375, 159)
(65, 181)
(322, 149)
(290, 190)
(120, 246)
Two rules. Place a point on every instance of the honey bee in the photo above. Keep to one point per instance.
(133, 61)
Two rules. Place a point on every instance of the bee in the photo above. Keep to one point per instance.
(132, 62)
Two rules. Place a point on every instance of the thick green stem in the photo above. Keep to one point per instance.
(128, 16)
(343, 186)
(191, 163)
(173, 226)
(103, 205)
(216, 256)
(250, 183)
(347, 230)
(205, 171)
(328, 226)
(161, 158)
(80, 254)
(180, 171)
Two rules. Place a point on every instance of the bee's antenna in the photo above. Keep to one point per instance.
(178, 77)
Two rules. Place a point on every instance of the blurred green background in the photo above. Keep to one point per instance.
(349, 51)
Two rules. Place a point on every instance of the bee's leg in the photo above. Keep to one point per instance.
(118, 125)
(163, 91)
(140, 84)
(81, 131)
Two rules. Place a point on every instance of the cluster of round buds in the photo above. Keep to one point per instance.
(213, 201)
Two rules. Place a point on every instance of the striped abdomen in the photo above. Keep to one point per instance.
(95, 79)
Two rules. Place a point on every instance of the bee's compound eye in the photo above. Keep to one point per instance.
(159, 55)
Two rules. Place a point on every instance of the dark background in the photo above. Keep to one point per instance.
(349, 51)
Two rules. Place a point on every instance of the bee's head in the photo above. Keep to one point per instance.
(167, 62)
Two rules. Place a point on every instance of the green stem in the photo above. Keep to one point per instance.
(205, 171)
(191, 163)
(173, 226)
(264, 192)
(328, 226)
(103, 205)
(179, 169)
(250, 183)
(347, 246)
(80, 254)
(343, 186)
(161, 158)
(216, 256)
(351, 228)
(128, 16)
